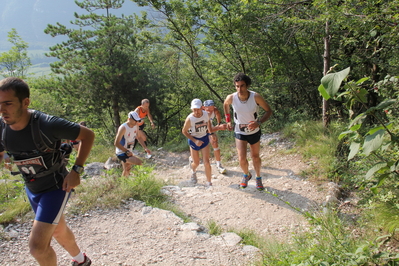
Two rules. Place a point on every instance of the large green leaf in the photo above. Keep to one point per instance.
(355, 146)
(358, 119)
(323, 92)
(360, 81)
(343, 134)
(331, 82)
(385, 104)
(373, 142)
(375, 168)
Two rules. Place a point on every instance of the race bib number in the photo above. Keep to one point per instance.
(31, 166)
(201, 127)
(130, 146)
(244, 128)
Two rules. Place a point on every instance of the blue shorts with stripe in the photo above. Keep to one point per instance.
(204, 139)
(48, 206)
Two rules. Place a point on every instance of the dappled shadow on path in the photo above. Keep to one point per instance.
(282, 188)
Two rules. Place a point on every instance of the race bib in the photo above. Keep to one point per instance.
(31, 166)
(244, 128)
(201, 127)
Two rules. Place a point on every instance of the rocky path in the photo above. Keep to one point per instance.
(140, 235)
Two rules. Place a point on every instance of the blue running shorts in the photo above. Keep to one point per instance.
(48, 206)
(204, 139)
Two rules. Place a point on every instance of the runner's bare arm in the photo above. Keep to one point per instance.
(86, 137)
(265, 106)
(226, 108)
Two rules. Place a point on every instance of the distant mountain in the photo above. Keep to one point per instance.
(31, 17)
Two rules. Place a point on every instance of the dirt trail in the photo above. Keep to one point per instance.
(140, 235)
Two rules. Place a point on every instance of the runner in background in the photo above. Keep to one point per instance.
(214, 115)
(124, 141)
(144, 111)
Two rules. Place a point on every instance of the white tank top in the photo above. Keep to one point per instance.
(199, 126)
(245, 112)
(212, 116)
(128, 138)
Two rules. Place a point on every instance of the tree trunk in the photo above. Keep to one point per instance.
(326, 58)
(117, 118)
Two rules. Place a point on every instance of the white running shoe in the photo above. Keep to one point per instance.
(148, 156)
(221, 169)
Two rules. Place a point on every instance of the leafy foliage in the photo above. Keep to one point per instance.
(15, 62)
(100, 64)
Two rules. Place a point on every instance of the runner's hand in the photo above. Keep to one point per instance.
(71, 181)
(253, 125)
(198, 142)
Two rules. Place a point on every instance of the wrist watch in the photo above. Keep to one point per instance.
(78, 169)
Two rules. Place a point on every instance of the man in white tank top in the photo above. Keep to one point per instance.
(124, 141)
(247, 123)
(197, 128)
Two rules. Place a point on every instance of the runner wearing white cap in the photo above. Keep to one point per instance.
(124, 142)
(196, 128)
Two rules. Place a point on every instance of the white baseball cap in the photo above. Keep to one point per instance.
(135, 116)
(196, 104)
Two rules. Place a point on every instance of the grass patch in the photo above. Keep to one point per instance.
(13, 202)
(317, 144)
(214, 228)
(179, 144)
(100, 152)
(329, 241)
(250, 237)
(110, 190)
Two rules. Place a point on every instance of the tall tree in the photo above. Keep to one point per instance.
(100, 62)
(16, 61)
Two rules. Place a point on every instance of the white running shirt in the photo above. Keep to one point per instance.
(199, 126)
(128, 138)
(244, 113)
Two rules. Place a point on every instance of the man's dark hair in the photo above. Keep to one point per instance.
(19, 86)
(242, 77)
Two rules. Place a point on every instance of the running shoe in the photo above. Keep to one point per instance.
(221, 169)
(194, 178)
(209, 184)
(148, 156)
(259, 185)
(245, 179)
(86, 262)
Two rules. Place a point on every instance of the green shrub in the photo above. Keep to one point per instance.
(316, 144)
(13, 202)
(110, 190)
